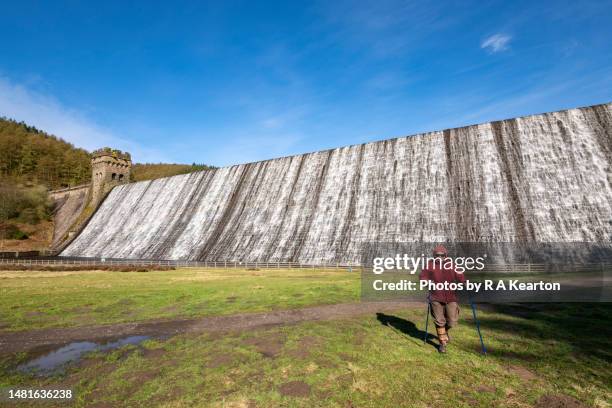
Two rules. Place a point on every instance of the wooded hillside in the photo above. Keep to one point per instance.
(29, 155)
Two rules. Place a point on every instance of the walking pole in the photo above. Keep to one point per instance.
(427, 320)
(484, 349)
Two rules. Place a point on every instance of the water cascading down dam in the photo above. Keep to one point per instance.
(540, 178)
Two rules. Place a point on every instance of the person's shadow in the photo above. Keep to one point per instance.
(406, 327)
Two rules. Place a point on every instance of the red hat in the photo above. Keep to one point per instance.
(440, 249)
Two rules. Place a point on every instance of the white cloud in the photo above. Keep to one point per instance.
(47, 113)
(496, 43)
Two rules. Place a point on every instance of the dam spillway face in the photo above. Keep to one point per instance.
(541, 178)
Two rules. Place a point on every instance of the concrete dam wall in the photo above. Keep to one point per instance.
(68, 205)
(542, 178)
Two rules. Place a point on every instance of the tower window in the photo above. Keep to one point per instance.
(121, 177)
(114, 176)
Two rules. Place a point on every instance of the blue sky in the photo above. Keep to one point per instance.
(230, 82)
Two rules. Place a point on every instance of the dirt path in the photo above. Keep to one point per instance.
(11, 342)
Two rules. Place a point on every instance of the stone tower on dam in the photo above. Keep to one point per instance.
(109, 168)
(539, 178)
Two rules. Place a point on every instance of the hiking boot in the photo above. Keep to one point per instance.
(442, 335)
(442, 348)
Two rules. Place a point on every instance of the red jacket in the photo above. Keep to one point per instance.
(438, 274)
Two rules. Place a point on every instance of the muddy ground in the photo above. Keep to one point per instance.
(12, 342)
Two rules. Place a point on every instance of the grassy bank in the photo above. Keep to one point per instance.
(31, 300)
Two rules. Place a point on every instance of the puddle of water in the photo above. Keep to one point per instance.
(54, 361)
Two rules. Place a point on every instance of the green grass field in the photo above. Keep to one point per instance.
(30, 300)
(539, 355)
